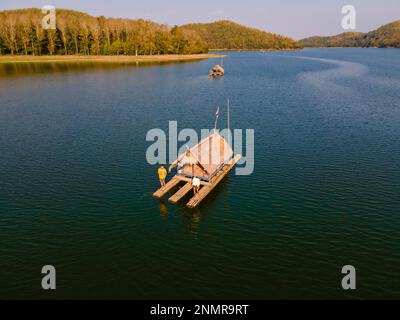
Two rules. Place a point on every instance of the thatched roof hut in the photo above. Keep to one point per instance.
(205, 159)
(218, 68)
(217, 71)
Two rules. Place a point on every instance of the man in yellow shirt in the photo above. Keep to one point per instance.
(162, 174)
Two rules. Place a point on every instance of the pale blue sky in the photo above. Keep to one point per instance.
(294, 18)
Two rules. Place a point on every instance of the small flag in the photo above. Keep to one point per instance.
(216, 118)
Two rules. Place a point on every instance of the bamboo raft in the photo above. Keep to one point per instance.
(216, 72)
(199, 164)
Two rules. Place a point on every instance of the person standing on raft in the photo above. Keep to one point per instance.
(196, 184)
(162, 174)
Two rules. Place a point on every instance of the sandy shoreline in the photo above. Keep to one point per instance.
(240, 50)
(106, 59)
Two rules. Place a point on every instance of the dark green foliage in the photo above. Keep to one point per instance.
(229, 35)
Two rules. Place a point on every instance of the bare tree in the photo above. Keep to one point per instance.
(10, 33)
(62, 27)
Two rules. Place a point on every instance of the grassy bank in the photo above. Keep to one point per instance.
(106, 59)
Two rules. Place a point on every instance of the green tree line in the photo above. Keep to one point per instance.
(387, 36)
(226, 34)
(21, 33)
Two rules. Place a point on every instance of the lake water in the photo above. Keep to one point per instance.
(76, 190)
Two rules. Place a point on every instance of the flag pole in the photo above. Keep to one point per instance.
(216, 119)
(229, 131)
(229, 102)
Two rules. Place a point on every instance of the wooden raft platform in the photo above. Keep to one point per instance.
(181, 193)
(169, 185)
(205, 190)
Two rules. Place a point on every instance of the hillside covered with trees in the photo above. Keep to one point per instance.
(77, 33)
(386, 36)
(21, 32)
(346, 39)
(229, 35)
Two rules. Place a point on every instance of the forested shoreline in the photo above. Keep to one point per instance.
(21, 33)
(77, 33)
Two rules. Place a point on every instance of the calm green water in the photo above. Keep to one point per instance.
(75, 187)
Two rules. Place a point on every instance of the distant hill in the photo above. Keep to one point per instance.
(347, 39)
(386, 36)
(226, 34)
